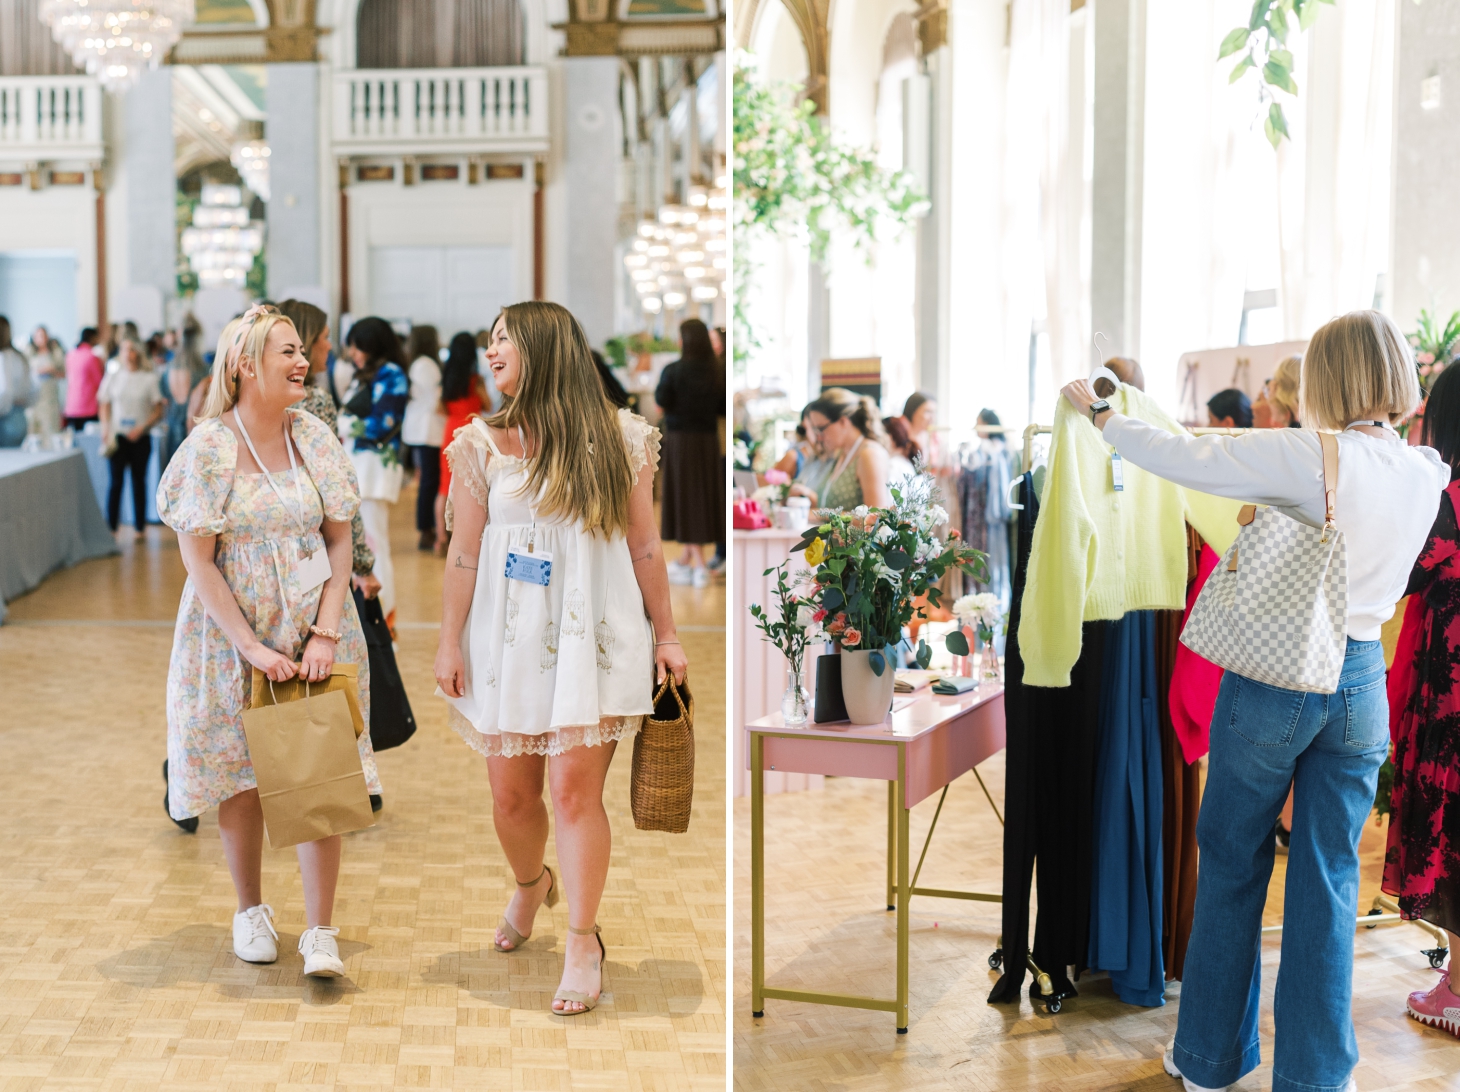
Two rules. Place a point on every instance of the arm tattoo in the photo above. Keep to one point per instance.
(461, 564)
(643, 557)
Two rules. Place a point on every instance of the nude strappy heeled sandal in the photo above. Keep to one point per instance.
(586, 1000)
(551, 900)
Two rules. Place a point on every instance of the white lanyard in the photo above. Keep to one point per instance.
(293, 469)
(531, 504)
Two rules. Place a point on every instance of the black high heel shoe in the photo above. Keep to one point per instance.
(189, 826)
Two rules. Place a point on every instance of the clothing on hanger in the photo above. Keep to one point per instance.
(1180, 804)
(1048, 801)
(1126, 892)
(1112, 539)
(1194, 681)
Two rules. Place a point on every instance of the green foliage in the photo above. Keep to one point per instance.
(785, 625)
(619, 349)
(1435, 346)
(874, 565)
(794, 177)
(1262, 43)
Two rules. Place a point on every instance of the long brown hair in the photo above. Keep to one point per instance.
(582, 469)
(309, 321)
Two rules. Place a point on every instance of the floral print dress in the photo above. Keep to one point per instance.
(209, 683)
(556, 667)
(1422, 861)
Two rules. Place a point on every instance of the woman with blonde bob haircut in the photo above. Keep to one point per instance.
(1358, 379)
(546, 655)
(260, 495)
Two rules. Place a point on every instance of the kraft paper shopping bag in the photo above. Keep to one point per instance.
(344, 677)
(307, 764)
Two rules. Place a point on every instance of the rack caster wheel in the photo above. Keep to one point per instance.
(996, 959)
(757, 1015)
(1373, 913)
(1054, 1006)
(1436, 956)
(902, 1031)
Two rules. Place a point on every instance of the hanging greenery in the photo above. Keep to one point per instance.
(1263, 45)
(793, 177)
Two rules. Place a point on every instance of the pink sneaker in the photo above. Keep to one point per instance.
(1440, 1008)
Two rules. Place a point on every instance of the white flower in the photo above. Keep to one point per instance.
(860, 511)
(963, 607)
(883, 533)
(803, 616)
(926, 549)
(981, 608)
(939, 515)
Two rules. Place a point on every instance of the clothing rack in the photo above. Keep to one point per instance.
(1384, 910)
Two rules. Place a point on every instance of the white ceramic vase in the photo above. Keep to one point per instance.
(868, 696)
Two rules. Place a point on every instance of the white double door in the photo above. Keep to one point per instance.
(453, 288)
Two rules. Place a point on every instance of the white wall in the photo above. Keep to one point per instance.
(55, 219)
(440, 214)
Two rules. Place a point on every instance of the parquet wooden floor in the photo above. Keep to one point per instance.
(116, 968)
(827, 930)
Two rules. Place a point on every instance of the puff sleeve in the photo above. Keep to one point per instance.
(642, 439)
(328, 465)
(469, 458)
(197, 481)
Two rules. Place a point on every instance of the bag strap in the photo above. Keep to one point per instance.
(670, 685)
(1329, 444)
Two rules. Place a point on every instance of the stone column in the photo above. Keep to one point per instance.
(147, 161)
(1424, 268)
(1119, 154)
(294, 225)
(590, 170)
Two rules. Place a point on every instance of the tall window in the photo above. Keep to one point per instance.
(436, 33)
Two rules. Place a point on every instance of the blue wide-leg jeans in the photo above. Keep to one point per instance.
(1330, 747)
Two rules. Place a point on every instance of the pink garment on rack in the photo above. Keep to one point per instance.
(1195, 681)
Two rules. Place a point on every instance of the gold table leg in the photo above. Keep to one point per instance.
(891, 843)
(904, 889)
(757, 874)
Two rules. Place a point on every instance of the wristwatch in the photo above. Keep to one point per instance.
(1097, 408)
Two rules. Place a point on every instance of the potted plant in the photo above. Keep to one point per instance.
(869, 565)
(786, 626)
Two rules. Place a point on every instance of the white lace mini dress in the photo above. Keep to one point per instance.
(555, 667)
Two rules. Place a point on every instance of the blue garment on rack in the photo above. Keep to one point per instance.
(1125, 890)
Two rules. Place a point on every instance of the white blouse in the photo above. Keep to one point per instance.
(1388, 494)
(424, 424)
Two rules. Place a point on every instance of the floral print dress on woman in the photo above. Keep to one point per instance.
(209, 683)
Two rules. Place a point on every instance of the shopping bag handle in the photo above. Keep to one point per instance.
(276, 696)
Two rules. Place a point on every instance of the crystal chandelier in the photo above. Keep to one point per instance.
(114, 39)
(679, 256)
(223, 241)
(251, 160)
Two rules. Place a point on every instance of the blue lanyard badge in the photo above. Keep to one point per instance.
(530, 567)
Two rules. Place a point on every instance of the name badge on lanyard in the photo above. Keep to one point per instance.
(311, 567)
(530, 567)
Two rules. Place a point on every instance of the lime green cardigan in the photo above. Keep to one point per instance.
(1098, 553)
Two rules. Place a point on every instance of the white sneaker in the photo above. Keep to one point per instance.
(700, 578)
(254, 938)
(680, 574)
(1170, 1064)
(321, 953)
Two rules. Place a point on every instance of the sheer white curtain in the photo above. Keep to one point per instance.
(1334, 177)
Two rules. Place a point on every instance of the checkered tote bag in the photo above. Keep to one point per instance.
(1276, 608)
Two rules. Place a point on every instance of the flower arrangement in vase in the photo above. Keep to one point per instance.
(787, 626)
(1434, 346)
(869, 566)
(981, 612)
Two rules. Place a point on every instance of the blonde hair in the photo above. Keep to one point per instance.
(582, 469)
(234, 345)
(1282, 388)
(1358, 366)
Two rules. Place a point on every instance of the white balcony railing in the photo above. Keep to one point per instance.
(47, 118)
(395, 111)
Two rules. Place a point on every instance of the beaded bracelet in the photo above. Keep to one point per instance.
(328, 634)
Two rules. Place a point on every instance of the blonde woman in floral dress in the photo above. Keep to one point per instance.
(547, 668)
(261, 496)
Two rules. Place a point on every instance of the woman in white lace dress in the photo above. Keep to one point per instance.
(556, 617)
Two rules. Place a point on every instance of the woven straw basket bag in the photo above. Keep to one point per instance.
(1276, 609)
(661, 786)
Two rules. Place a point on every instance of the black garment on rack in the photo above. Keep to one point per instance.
(1049, 805)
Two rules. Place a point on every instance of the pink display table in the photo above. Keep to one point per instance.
(927, 742)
